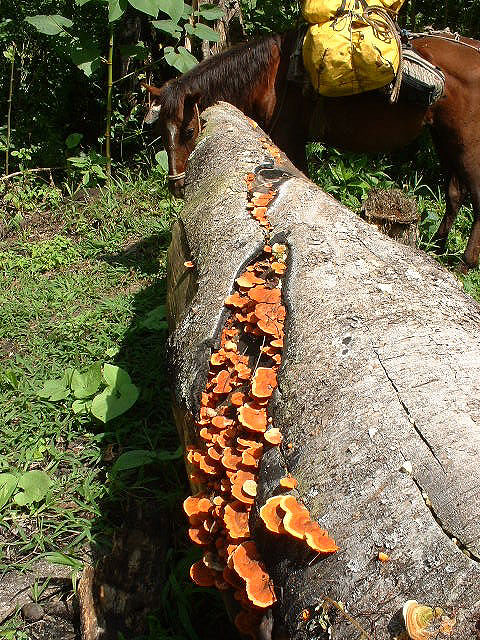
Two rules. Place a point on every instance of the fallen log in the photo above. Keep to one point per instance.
(377, 404)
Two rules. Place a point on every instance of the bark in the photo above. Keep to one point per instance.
(378, 398)
(230, 28)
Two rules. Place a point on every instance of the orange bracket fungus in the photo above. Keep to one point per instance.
(235, 430)
(285, 515)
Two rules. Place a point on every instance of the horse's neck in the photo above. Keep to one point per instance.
(258, 99)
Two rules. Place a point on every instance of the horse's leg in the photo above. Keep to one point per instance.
(472, 252)
(455, 194)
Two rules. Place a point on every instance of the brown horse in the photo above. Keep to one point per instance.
(254, 77)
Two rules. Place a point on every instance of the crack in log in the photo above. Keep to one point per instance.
(461, 546)
(407, 413)
(458, 543)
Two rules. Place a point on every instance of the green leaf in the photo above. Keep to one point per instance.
(133, 460)
(8, 484)
(82, 406)
(86, 55)
(166, 456)
(86, 384)
(155, 319)
(57, 557)
(174, 8)
(210, 12)
(114, 401)
(181, 59)
(50, 25)
(116, 9)
(10, 377)
(35, 485)
(112, 351)
(187, 11)
(73, 140)
(115, 376)
(141, 457)
(203, 32)
(80, 3)
(118, 397)
(137, 51)
(162, 159)
(168, 26)
(150, 7)
(54, 390)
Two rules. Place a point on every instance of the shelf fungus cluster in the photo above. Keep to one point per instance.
(235, 430)
(426, 623)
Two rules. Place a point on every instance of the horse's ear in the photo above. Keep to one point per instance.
(154, 91)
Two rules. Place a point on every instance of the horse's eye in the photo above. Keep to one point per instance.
(188, 134)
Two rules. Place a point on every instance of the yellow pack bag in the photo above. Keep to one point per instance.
(354, 49)
(318, 11)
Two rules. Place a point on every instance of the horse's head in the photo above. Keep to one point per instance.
(177, 120)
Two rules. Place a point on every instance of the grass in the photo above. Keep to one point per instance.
(84, 282)
(81, 275)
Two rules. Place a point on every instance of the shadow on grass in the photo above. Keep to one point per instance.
(142, 553)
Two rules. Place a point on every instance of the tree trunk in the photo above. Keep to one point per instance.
(230, 28)
(377, 399)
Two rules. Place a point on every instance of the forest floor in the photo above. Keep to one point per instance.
(84, 283)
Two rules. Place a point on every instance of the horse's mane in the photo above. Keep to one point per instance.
(230, 75)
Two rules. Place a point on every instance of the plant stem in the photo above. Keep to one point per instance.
(9, 114)
(24, 171)
(108, 131)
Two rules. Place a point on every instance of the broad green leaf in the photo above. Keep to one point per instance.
(80, 3)
(112, 351)
(168, 26)
(137, 51)
(114, 401)
(86, 56)
(82, 406)
(35, 485)
(116, 9)
(162, 159)
(73, 140)
(133, 460)
(210, 12)
(203, 32)
(54, 390)
(50, 25)
(181, 59)
(8, 484)
(115, 376)
(86, 384)
(150, 7)
(155, 319)
(173, 8)
(187, 11)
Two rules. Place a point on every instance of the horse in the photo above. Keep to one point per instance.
(254, 76)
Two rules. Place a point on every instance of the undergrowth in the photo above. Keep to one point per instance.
(83, 283)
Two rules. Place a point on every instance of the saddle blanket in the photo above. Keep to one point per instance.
(422, 82)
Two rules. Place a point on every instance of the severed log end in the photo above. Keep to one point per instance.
(393, 213)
